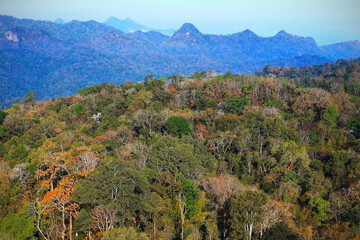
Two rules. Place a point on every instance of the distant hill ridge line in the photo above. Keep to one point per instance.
(55, 59)
(247, 32)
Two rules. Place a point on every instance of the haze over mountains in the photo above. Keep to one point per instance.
(128, 25)
(56, 59)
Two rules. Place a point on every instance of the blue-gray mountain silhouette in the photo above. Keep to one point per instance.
(57, 59)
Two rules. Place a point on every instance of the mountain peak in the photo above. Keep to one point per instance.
(187, 33)
(248, 31)
(59, 21)
(188, 28)
(129, 19)
(246, 35)
(282, 33)
(115, 19)
(125, 25)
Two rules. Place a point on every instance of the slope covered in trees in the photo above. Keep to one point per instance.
(57, 59)
(343, 75)
(228, 157)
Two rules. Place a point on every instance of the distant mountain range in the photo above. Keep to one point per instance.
(128, 25)
(56, 59)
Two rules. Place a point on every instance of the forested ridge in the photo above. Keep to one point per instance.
(268, 156)
(58, 59)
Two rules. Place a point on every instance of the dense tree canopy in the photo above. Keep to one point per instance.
(226, 157)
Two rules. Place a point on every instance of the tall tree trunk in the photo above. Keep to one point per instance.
(154, 226)
(63, 224)
(182, 228)
(41, 232)
(224, 224)
(182, 206)
(38, 213)
(70, 227)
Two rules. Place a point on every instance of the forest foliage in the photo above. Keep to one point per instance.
(227, 157)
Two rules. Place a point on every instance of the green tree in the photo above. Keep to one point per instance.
(228, 75)
(331, 114)
(3, 133)
(17, 155)
(247, 211)
(290, 157)
(274, 103)
(156, 83)
(176, 79)
(157, 106)
(16, 125)
(227, 122)
(2, 116)
(235, 105)
(280, 232)
(177, 126)
(78, 109)
(335, 167)
(118, 184)
(82, 222)
(147, 79)
(142, 100)
(180, 155)
(321, 209)
(30, 97)
(168, 154)
(190, 192)
(354, 125)
(89, 90)
(19, 226)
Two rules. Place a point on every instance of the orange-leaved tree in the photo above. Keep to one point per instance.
(60, 199)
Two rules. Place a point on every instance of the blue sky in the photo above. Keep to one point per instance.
(327, 21)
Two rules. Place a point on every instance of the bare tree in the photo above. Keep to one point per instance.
(223, 188)
(304, 136)
(221, 144)
(104, 218)
(275, 212)
(124, 136)
(145, 119)
(20, 173)
(85, 162)
(65, 140)
(142, 151)
(37, 210)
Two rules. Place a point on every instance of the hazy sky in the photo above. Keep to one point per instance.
(327, 21)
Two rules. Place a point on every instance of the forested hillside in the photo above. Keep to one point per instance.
(226, 157)
(343, 75)
(57, 59)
